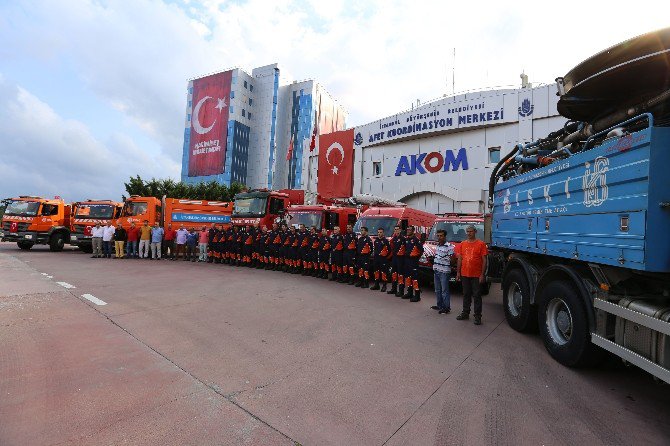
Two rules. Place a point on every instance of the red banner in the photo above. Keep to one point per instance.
(336, 164)
(209, 124)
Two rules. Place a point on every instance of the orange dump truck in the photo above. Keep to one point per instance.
(85, 215)
(30, 220)
(196, 213)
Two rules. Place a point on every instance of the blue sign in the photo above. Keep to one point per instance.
(526, 108)
(432, 162)
(200, 218)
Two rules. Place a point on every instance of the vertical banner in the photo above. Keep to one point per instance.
(209, 124)
(336, 164)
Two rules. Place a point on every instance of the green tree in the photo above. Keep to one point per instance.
(169, 188)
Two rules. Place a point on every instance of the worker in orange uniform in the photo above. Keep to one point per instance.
(413, 252)
(380, 260)
(336, 255)
(364, 247)
(397, 262)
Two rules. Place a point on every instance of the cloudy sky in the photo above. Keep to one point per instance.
(92, 92)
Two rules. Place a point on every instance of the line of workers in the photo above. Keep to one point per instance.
(344, 257)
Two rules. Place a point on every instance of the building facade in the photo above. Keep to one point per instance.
(250, 143)
(438, 157)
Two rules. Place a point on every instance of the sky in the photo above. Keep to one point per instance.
(93, 92)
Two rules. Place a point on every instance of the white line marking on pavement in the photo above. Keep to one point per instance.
(50, 277)
(44, 274)
(93, 299)
(65, 285)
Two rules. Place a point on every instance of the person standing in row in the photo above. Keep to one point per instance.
(180, 238)
(324, 254)
(314, 251)
(472, 260)
(397, 262)
(120, 237)
(382, 252)
(349, 257)
(108, 239)
(191, 245)
(442, 272)
(413, 252)
(211, 244)
(145, 239)
(336, 255)
(203, 240)
(156, 241)
(96, 240)
(364, 247)
(133, 237)
(287, 248)
(168, 242)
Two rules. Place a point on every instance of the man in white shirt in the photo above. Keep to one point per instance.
(107, 239)
(442, 271)
(96, 240)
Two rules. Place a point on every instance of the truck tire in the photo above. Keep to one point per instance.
(57, 242)
(24, 245)
(521, 315)
(564, 325)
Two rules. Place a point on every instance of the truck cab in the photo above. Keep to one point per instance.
(31, 220)
(262, 207)
(136, 209)
(85, 215)
(321, 216)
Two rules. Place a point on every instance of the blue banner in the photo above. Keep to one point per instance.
(201, 218)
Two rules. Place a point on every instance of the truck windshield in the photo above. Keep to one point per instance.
(306, 218)
(133, 208)
(249, 207)
(19, 207)
(456, 230)
(374, 223)
(102, 211)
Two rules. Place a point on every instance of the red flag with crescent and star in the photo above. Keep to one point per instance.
(209, 124)
(336, 164)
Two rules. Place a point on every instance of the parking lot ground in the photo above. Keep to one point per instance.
(188, 353)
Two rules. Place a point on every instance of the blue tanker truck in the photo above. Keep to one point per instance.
(580, 220)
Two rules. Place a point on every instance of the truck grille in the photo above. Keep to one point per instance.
(22, 227)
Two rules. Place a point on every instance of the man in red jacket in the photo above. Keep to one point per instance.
(133, 237)
(168, 242)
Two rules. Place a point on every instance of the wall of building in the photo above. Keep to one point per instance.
(464, 129)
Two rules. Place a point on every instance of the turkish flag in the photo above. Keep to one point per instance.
(336, 164)
(209, 124)
(13, 227)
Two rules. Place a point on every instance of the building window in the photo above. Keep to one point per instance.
(494, 154)
(251, 101)
(249, 115)
(245, 84)
(231, 109)
(251, 87)
(244, 113)
(377, 168)
(232, 94)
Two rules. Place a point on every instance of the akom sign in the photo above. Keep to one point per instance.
(432, 162)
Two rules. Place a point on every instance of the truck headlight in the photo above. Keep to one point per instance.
(73, 237)
(28, 236)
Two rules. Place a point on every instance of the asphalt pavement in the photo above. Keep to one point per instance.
(162, 352)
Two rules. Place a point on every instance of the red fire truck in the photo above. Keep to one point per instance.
(263, 207)
(321, 216)
(388, 217)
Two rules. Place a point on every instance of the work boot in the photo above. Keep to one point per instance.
(334, 277)
(394, 288)
(376, 286)
(352, 279)
(400, 291)
(417, 296)
(359, 283)
(409, 294)
(463, 316)
(478, 319)
(383, 288)
(325, 275)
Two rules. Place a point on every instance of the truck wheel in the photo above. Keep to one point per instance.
(520, 314)
(57, 242)
(24, 245)
(564, 325)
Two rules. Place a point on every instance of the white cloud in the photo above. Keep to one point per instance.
(44, 154)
